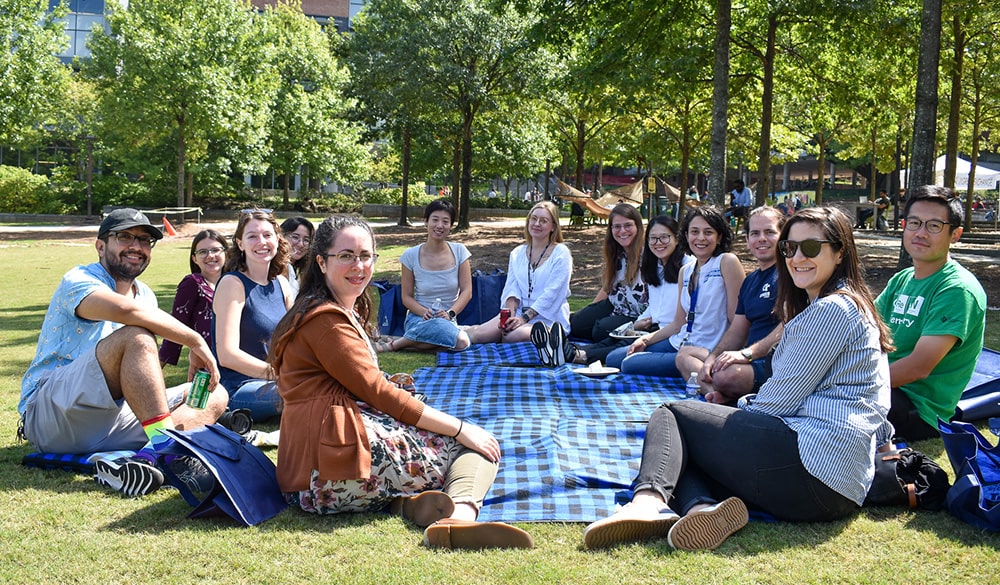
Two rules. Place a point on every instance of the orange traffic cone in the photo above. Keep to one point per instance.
(168, 228)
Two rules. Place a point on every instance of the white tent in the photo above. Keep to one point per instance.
(986, 178)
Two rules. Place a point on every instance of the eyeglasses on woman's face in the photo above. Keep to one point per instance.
(663, 239)
(347, 258)
(206, 252)
(298, 240)
(810, 248)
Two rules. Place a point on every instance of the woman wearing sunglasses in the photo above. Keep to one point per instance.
(708, 290)
(193, 301)
(355, 441)
(252, 296)
(801, 449)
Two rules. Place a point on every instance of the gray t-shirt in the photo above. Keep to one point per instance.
(429, 285)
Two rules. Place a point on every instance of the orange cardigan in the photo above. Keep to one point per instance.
(325, 365)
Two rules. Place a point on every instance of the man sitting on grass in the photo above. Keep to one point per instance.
(95, 383)
(937, 313)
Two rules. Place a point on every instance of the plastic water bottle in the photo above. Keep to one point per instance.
(692, 388)
(437, 306)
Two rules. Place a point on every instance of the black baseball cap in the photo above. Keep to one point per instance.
(126, 218)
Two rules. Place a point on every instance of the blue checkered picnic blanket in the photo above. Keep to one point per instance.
(571, 444)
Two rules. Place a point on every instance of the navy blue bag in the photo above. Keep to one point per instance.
(975, 495)
(246, 484)
(483, 306)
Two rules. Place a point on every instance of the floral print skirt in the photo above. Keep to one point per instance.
(405, 461)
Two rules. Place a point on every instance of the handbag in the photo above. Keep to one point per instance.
(485, 302)
(483, 306)
(907, 477)
(246, 485)
(975, 497)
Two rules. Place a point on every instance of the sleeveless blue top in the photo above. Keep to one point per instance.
(264, 307)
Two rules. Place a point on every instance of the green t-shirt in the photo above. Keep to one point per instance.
(949, 302)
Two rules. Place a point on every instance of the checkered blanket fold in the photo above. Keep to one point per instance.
(571, 444)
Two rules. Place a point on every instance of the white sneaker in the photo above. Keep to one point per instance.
(709, 527)
(629, 523)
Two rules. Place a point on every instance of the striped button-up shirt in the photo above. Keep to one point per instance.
(831, 386)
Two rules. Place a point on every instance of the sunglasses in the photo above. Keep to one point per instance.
(810, 248)
(257, 210)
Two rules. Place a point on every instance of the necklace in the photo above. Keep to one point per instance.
(533, 267)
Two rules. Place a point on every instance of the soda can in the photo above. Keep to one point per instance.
(504, 315)
(198, 396)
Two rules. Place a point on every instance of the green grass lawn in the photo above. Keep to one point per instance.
(56, 527)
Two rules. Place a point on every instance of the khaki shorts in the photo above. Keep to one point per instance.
(72, 411)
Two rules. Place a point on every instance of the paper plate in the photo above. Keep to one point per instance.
(625, 335)
(596, 372)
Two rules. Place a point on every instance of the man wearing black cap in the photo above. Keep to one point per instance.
(95, 383)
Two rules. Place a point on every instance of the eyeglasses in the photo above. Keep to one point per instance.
(810, 248)
(664, 239)
(206, 252)
(297, 239)
(622, 227)
(934, 226)
(127, 239)
(347, 258)
(256, 210)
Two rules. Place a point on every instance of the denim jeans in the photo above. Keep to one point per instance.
(702, 453)
(260, 397)
(659, 359)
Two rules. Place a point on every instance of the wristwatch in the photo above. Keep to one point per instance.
(451, 314)
(747, 354)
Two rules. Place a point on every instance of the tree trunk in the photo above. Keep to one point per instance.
(181, 153)
(580, 148)
(404, 208)
(720, 101)
(766, 114)
(285, 188)
(951, 140)
(463, 213)
(456, 174)
(925, 114)
(821, 142)
(976, 136)
(189, 191)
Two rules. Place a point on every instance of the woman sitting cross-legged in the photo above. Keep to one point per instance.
(352, 441)
(537, 288)
(436, 286)
(708, 292)
(802, 449)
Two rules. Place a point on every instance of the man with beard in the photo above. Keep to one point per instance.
(95, 383)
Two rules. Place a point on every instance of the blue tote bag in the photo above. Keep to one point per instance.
(975, 495)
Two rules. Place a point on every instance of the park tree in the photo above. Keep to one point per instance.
(512, 142)
(308, 128)
(33, 80)
(982, 101)
(190, 73)
(455, 59)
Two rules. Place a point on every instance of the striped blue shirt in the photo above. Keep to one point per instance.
(831, 386)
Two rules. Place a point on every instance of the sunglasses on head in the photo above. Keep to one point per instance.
(810, 248)
(255, 210)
